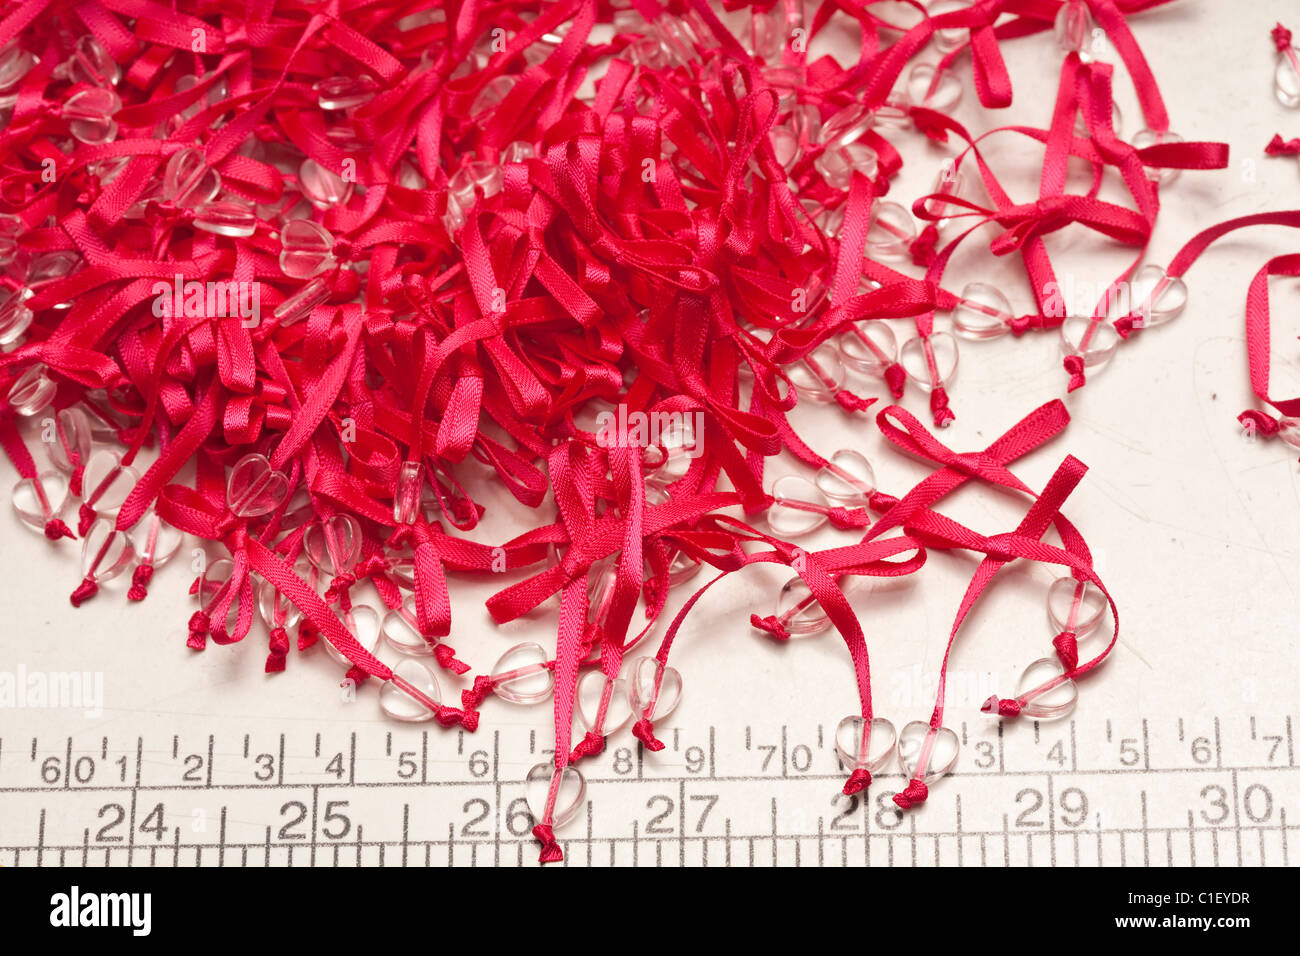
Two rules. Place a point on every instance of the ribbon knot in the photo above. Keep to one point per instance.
(913, 794)
(858, 781)
(1006, 707)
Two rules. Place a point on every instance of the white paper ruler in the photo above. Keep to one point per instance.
(1206, 791)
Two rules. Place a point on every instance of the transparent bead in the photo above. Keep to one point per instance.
(517, 152)
(363, 624)
(40, 499)
(1286, 78)
(953, 38)
(306, 249)
(682, 568)
(1074, 606)
(806, 122)
(949, 182)
(1095, 347)
(785, 146)
(90, 115)
(838, 164)
(50, 267)
(492, 94)
(401, 630)
(453, 220)
(322, 187)
(345, 92)
(1143, 138)
(847, 479)
(1288, 429)
(1073, 27)
(818, 376)
(930, 362)
(276, 609)
(14, 64)
(941, 93)
(982, 313)
(155, 541)
(766, 34)
(865, 745)
(106, 482)
(105, 552)
(799, 612)
(602, 704)
(226, 217)
(927, 754)
(521, 675)
(91, 63)
(473, 180)
(891, 231)
(670, 460)
(406, 500)
(894, 114)
(569, 787)
(1044, 692)
(71, 437)
(654, 689)
(254, 488)
(11, 230)
(1157, 297)
(299, 305)
(188, 180)
(401, 567)
(333, 544)
(797, 508)
(846, 127)
(869, 347)
(399, 703)
(32, 391)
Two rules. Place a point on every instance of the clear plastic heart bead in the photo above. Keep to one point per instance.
(930, 362)
(227, 217)
(50, 267)
(670, 460)
(106, 481)
(785, 146)
(819, 375)
(939, 91)
(395, 696)
(40, 499)
(801, 614)
(299, 305)
(765, 37)
(155, 541)
(15, 62)
(401, 630)
(846, 126)
(1044, 692)
(891, 231)
(188, 180)
(363, 623)
(1286, 78)
(838, 164)
(1094, 342)
(492, 94)
(1288, 429)
(105, 552)
(949, 183)
(982, 313)
(32, 391)
(1156, 296)
(473, 180)
(562, 790)
(602, 704)
(254, 488)
(345, 92)
(797, 508)
(522, 676)
(952, 38)
(846, 479)
(90, 63)
(333, 544)
(214, 582)
(71, 438)
(306, 249)
(90, 115)
(275, 609)
(323, 188)
(927, 754)
(865, 745)
(1074, 606)
(1161, 175)
(15, 317)
(11, 227)
(406, 499)
(654, 689)
(1073, 27)
(869, 347)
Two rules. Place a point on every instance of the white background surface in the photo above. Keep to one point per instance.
(1197, 530)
